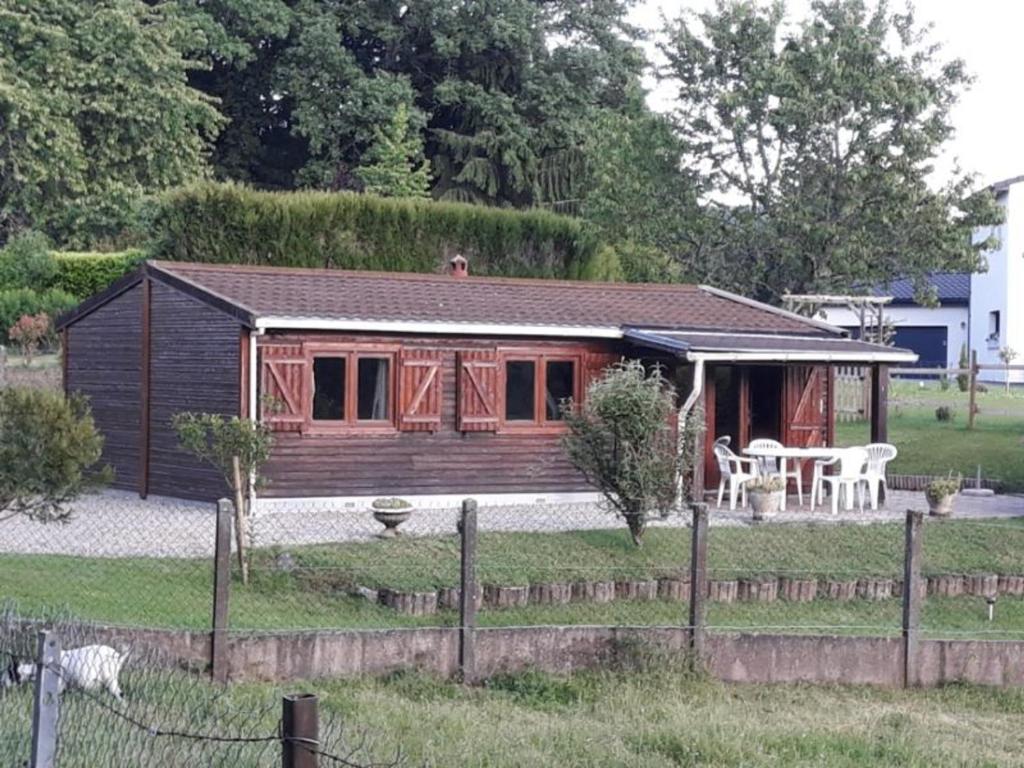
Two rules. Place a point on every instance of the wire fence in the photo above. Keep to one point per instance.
(316, 567)
(121, 704)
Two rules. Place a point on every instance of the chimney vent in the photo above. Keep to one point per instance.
(458, 266)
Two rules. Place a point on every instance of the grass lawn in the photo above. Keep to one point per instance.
(317, 594)
(928, 446)
(653, 715)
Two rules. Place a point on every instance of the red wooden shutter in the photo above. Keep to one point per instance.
(479, 396)
(594, 366)
(283, 386)
(807, 413)
(419, 389)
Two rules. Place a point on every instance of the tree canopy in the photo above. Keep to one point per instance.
(819, 141)
(95, 110)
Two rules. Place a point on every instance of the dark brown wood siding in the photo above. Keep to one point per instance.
(445, 461)
(104, 364)
(195, 365)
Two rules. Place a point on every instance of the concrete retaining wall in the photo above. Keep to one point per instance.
(733, 657)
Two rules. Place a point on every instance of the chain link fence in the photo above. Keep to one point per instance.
(117, 703)
(315, 566)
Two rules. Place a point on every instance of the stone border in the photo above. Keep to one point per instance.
(766, 589)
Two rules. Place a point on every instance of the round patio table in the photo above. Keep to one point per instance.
(799, 455)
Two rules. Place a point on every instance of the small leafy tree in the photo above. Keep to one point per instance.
(622, 440)
(49, 451)
(391, 170)
(963, 380)
(29, 333)
(238, 448)
(27, 262)
(1007, 354)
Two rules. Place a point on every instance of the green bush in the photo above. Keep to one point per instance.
(15, 302)
(233, 224)
(83, 274)
(26, 262)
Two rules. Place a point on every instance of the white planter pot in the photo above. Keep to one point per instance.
(764, 504)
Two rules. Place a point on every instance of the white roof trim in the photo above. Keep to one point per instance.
(741, 334)
(780, 356)
(412, 326)
(773, 309)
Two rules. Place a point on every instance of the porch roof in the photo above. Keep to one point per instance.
(763, 347)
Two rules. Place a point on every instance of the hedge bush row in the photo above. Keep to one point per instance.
(83, 274)
(230, 223)
(15, 302)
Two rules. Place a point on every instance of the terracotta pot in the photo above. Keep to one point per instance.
(764, 504)
(391, 519)
(943, 507)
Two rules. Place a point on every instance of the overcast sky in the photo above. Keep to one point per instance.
(986, 34)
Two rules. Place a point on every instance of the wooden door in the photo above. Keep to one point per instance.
(807, 409)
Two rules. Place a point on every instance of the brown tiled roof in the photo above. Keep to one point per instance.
(388, 296)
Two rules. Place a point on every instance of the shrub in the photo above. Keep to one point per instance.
(233, 224)
(26, 262)
(238, 448)
(28, 333)
(944, 413)
(17, 302)
(49, 449)
(963, 380)
(943, 383)
(83, 274)
(621, 441)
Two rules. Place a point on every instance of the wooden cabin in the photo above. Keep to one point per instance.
(427, 386)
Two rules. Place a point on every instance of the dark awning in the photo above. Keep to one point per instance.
(756, 347)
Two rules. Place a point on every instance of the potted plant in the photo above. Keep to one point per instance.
(940, 494)
(391, 513)
(765, 494)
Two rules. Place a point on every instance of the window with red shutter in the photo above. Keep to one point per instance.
(479, 395)
(419, 389)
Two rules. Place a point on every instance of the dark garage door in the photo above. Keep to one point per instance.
(928, 341)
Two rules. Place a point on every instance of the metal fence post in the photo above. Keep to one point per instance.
(467, 592)
(698, 577)
(972, 406)
(300, 731)
(46, 706)
(221, 591)
(911, 596)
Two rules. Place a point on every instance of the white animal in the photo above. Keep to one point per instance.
(91, 668)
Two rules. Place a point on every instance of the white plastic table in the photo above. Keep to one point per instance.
(799, 455)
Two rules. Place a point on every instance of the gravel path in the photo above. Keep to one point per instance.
(119, 524)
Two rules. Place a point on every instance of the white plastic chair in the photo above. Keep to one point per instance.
(769, 465)
(879, 454)
(851, 478)
(731, 469)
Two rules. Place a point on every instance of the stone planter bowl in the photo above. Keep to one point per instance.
(943, 507)
(391, 519)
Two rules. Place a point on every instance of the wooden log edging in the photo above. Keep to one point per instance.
(760, 589)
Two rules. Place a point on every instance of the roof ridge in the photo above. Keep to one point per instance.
(171, 266)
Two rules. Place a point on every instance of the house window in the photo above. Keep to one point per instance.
(536, 386)
(993, 326)
(351, 389)
(329, 389)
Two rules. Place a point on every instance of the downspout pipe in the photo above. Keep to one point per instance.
(253, 407)
(684, 413)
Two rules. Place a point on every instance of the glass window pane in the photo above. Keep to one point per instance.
(557, 387)
(372, 391)
(519, 390)
(329, 389)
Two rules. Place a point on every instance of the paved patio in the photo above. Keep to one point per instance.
(119, 524)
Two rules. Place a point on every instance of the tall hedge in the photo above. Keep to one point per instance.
(234, 224)
(83, 274)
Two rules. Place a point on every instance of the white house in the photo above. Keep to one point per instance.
(984, 310)
(997, 296)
